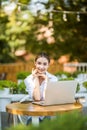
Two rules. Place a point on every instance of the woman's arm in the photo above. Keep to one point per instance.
(39, 90)
(36, 92)
(29, 85)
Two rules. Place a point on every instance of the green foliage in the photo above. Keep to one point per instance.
(65, 121)
(14, 87)
(85, 84)
(24, 1)
(22, 75)
(28, 31)
(21, 88)
(60, 73)
(5, 50)
(7, 84)
(76, 73)
(78, 88)
(63, 79)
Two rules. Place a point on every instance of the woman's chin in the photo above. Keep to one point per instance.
(41, 72)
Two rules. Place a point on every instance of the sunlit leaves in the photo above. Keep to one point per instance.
(24, 1)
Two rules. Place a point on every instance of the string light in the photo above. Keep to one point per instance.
(60, 11)
(64, 16)
(71, 12)
(78, 17)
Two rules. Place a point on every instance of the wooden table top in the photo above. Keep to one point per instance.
(37, 110)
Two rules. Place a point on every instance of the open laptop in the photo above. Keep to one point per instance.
(60, 92)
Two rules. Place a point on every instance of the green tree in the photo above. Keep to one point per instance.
(48, 31)
(69, 37)
(5, 50)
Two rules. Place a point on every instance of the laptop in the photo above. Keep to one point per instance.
(59, 92)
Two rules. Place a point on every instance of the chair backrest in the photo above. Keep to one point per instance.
(3, 76)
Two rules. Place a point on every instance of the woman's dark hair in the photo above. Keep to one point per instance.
(43, 54)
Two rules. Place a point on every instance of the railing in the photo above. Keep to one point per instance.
(82, 67)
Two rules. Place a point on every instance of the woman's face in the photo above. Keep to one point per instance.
(41, 65)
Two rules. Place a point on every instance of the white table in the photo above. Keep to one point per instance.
(7, 99)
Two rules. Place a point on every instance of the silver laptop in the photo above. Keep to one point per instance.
(60, 92)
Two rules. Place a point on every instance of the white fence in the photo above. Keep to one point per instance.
(71, 67)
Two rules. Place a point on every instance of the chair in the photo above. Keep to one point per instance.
(3, 76)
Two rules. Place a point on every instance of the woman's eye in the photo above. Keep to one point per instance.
(45, 64)
(39, 63)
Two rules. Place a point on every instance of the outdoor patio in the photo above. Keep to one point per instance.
(29, 27)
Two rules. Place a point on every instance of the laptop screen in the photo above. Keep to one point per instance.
(60, 92)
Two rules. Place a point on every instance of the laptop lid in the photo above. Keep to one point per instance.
(60, 92)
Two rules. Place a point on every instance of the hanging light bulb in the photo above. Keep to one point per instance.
(50, 11)
(9, 8)
(78, 16)
(64, 16)
(51, 15)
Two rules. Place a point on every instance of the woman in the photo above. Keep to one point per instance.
(36, 82)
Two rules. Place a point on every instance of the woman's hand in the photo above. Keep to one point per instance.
(42, 76)
(35, 73)
(38, 79)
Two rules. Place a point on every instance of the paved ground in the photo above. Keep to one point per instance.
(7, 120)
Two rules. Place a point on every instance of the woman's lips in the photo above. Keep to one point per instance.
(40, 71)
